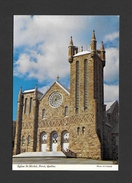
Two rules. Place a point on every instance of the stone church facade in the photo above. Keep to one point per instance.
(67, 119)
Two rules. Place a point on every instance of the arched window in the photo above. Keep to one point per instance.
(83, 130)
(28, 140)
(66, 111)
(85, 84)
(30, 108)
(43, 113)
(23, 140)
(25, 106)
(78, 130)
(77, 86)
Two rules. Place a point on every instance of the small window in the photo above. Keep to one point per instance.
(30, 109)
(25, 106)
(23, 140)
(28, 140)
(83, 130)
(66, 111)
(78, 130)
(43, 113)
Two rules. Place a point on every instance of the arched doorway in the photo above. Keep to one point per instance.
(65, 140)
(43, 141)
(54, 141)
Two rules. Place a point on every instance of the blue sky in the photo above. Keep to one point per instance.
(41, 45)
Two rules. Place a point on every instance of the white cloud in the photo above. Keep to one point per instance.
(111, 93)
(54, 34)
(111, 70)
(112, 36)
(44, 88)
(29, 31)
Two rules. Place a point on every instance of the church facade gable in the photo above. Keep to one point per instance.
(53, 103)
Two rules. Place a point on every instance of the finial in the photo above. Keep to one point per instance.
(57, 78)
(81, 48)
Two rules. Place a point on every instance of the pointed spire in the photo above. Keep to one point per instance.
(20, 89)
(93, 43)
(20, 92)
(71, 42)
(93, 35)
(102, 47)
(102, 53)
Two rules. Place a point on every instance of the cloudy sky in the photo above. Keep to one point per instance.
(40, 47)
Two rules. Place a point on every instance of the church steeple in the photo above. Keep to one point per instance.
(93, 43)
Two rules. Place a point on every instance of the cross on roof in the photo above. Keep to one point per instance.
(57, 78)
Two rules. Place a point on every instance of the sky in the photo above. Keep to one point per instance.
(40, 50)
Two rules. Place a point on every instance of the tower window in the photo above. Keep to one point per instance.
(30, 108)
(43, 113)
(23, 140)
(77, 86)
(83, 130)
(66, 111)
(28, 140)
(85, 84)
(25, 106)
(78, 130)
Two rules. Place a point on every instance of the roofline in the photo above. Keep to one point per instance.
(31, 91)
(81, 53)
(62, 87)
(52, 86)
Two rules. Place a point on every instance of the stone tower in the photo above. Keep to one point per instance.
(19, 123)
(86, 99)
(27, 121)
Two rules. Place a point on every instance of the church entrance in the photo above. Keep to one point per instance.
(43, 141)
(65, 140)
(54, 141)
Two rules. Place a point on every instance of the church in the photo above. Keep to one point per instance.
(71, 120)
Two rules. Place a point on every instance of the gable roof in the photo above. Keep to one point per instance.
(60, 85)
(112, 107)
